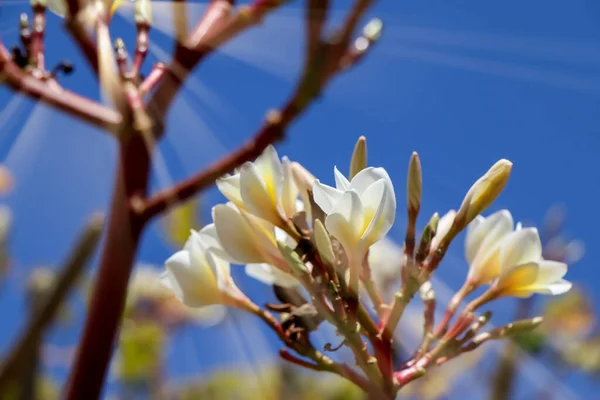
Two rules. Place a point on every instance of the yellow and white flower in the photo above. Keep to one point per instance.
(246, 239)
(264, 188)
(198, 276)
(359, 212)
(483, 245)
(524, 272)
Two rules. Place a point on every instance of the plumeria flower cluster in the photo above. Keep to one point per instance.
(320, 248)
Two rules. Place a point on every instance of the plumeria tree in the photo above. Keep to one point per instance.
(309, 241)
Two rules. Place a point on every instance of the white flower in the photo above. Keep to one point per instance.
(523, 271)
(197, 276)
(247, 239)
(264, 187)
(482, 245)
(360, 212)
(443, 227)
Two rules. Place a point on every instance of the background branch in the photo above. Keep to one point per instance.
(46, 313)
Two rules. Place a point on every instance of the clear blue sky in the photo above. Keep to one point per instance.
(464, 83)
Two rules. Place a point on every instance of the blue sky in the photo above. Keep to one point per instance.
(464, 83)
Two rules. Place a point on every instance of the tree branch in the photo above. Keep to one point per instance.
(74, 265)
(64, 100)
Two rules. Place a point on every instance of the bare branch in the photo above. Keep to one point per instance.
(56, 97)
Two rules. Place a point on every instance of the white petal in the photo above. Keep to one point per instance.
(193, 285)
(444, 225)
(264, 236)
(258, 196)
(270, 275)
(325, 196)
(341, 183)
(270, 169)
(367, 177)
(550, 272)
(229, 186)
(210, 240)
(559, 287)
(341, 229)
(289, 191)
(351, 209)
(236, 236)
(521, 247)
(518, 278)
(378, 203)
(486, 234)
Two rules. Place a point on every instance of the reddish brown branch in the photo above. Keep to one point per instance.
(141, 49)
(152, 79)
(63, 100)
(216, 28)
(37, 37)
(268, 134)
(108, 297)
(287, 356)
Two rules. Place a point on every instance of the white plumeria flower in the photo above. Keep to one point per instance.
(247, 239)
(264, 187)
(444, 225)
(483, 244)
(360, 212)
(524, 272)
(197, 276)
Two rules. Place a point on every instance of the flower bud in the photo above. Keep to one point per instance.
(372, 31)
(414, 183)
(359, 157)
(483, 193)
(323, 242)
(143, 11)
(426, 237)
(521, 326)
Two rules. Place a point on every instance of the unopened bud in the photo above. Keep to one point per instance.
(426, 237)
(143, 11)
(297, 267)
(372, 31)
(414, 183)
(359, 157)
(23, 21)
(323, 242)
(521, 326)
(483, 193)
